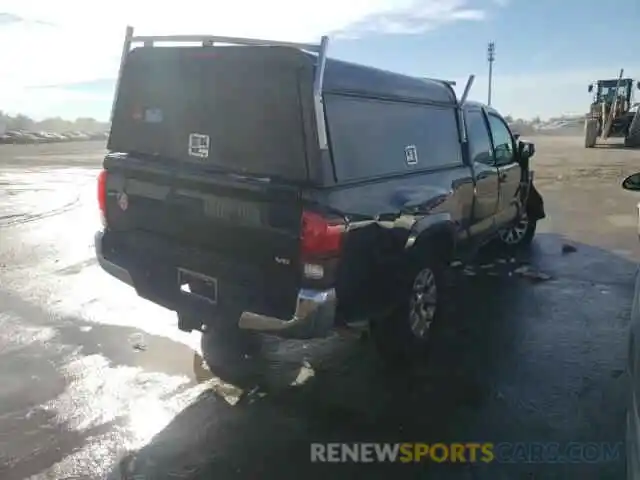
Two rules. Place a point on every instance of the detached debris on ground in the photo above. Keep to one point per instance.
(136, 340)
(503, 267)
(526, 271)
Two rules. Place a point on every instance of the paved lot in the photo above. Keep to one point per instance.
(89, 372)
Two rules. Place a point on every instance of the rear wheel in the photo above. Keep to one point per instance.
(232, 359)
(248, 359)
(404, 333)
(230, 353)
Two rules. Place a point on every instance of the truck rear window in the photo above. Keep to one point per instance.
(236, 108)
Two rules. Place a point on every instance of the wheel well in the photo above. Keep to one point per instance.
(439, 242)
(535, 204)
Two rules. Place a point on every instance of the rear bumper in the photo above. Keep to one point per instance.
(314, 314)
(111, 268)
(314, 317)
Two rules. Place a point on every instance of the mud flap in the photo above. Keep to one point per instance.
(535, 204)
(188, 322)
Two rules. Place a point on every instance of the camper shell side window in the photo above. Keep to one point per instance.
(373, 138)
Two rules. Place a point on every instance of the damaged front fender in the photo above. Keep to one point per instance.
(535, 204)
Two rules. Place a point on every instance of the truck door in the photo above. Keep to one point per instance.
(486, 174)
(509, 170)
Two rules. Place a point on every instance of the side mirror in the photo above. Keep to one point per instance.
(590, 88)
(526, 150)
(632, 182)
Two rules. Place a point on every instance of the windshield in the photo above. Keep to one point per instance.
(608, 93)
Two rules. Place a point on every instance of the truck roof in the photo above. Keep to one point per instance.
(614, 81)
(340, 76)
(473, 103)
(347, 77)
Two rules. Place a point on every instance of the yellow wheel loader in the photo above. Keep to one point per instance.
(613, 112)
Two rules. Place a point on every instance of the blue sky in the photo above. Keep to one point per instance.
(60, 58)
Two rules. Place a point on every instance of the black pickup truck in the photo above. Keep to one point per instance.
(267, 188)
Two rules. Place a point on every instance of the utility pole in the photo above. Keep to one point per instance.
(491, 56)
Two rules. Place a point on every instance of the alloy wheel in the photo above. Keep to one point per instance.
(423, 303)
(515, 234)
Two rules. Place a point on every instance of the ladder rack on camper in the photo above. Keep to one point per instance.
(210, 40)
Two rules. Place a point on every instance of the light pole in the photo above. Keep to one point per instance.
(491, 56)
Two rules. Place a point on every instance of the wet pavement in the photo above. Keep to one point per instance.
(97, 383)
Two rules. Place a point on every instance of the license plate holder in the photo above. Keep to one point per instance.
(197, 285)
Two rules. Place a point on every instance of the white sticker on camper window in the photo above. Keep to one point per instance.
(199, 145)
(411, 154)
(153, 115)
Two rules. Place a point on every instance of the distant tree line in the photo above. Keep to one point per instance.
(91, 125)
(556, 125)
(523, 127)
(55, 124)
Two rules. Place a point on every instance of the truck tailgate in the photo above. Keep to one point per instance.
(242, 232)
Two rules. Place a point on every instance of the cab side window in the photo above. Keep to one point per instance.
(479, 140)
(502, 141)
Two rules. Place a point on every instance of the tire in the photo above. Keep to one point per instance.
(632, 140)
(421, 293)
(230, 353)
(518, 236)
(590, 133)
(633, 135)
(247, 359)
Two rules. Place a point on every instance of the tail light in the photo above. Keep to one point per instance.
(320, 243)
(102, 196)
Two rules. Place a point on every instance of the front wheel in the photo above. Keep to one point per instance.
(518, 235)
(590, 133)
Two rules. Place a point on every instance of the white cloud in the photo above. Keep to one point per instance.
(70, 41)
(415, 17)
(9, 18)
(86, 39)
